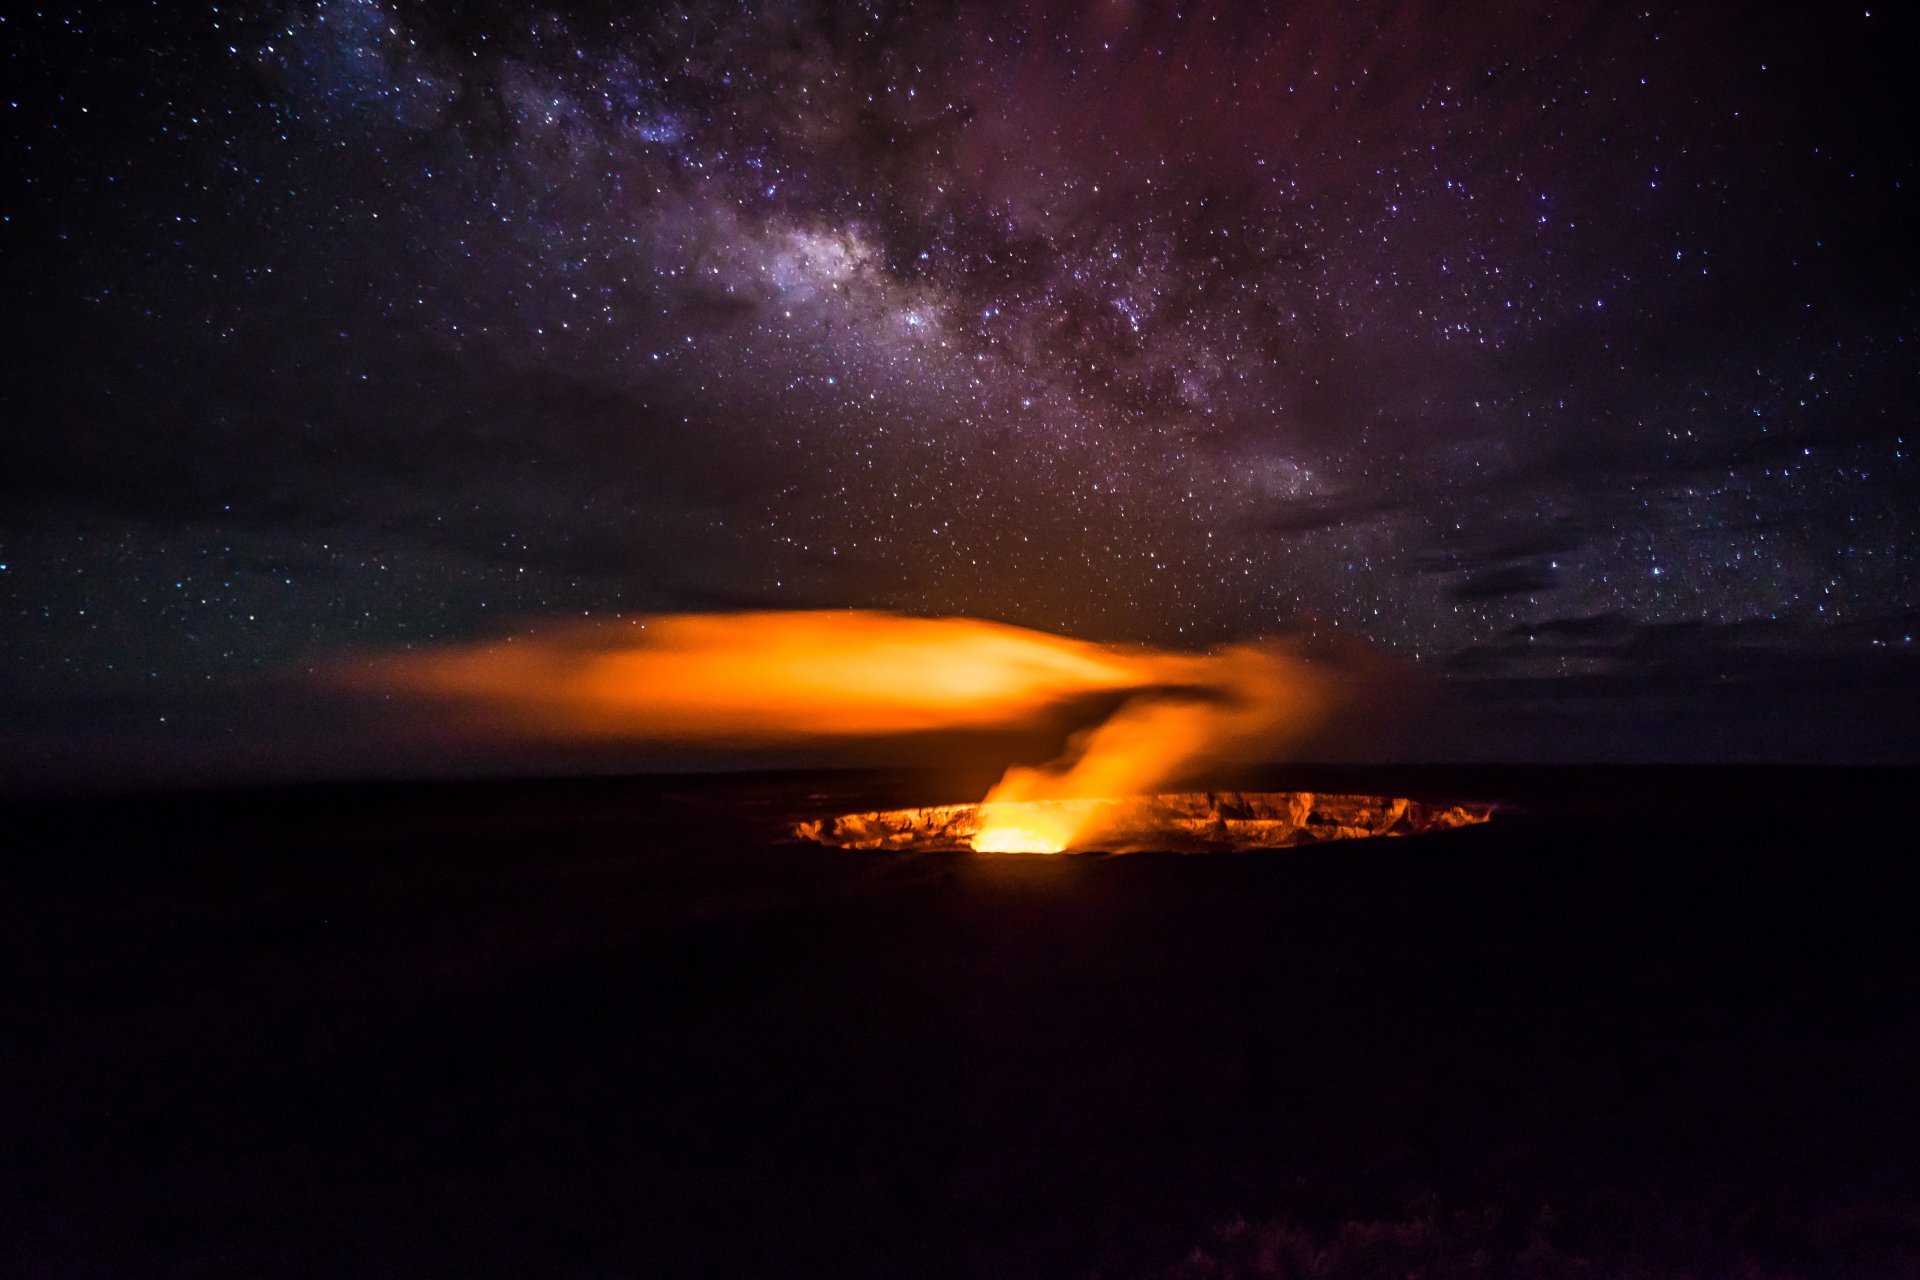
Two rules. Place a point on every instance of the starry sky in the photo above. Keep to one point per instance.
(1562, 357)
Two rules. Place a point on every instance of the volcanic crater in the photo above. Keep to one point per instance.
(1172, 822)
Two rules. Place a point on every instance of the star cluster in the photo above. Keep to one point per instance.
(1560, 349)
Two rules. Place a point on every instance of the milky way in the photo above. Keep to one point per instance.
(1566, 353)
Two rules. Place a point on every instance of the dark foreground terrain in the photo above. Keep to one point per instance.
(1647, 1023)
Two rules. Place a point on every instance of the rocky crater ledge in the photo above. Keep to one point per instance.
(1179, 822)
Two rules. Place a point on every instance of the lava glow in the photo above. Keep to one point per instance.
(1003, 834)
(1180, 822)
(793, 677)
(1256, 698)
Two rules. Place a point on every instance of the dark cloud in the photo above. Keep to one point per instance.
(1508, 580)
(1594, 627)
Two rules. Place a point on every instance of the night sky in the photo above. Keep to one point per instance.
(1560, 358)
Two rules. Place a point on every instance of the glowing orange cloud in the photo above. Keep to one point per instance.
(788, 677)
(769, 676)
(1257, 699)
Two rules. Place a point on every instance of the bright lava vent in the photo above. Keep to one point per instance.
(1176, 822)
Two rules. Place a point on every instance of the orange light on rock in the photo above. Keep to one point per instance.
(1169, 822)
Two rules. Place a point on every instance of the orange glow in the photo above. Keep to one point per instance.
(789, 677)
(1253, 699)
(770, 677)
(1170, 822)
(1001, 834)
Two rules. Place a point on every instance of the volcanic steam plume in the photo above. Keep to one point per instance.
(777, 678)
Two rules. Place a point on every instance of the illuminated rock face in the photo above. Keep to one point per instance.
(1184, 822)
